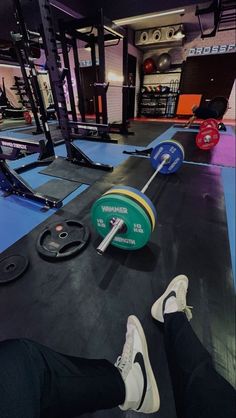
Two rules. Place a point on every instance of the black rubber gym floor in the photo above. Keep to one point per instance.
(12, 124)
(63, 169)
(54, 130)
(80, 306)
(144, 133)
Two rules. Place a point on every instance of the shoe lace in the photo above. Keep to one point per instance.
(188, 312)
(123, 360)
(186, 308)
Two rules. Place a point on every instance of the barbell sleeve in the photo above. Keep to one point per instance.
(119, 223)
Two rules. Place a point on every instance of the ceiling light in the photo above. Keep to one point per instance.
(85, 30)
(111, 30)
(65, 9)
(147, 16)
(179, 34)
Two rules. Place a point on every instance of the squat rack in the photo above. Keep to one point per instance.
(56, 75)
(106, 30)
(22, 44)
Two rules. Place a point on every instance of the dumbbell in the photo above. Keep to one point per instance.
(124, 216)
(208, 135)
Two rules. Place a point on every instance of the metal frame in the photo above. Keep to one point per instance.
(106, 30)
(74, 154)
(22, 45)
(218, 7)
(10, 180)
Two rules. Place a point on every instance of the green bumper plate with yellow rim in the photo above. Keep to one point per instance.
(138, 228)
(139, 198)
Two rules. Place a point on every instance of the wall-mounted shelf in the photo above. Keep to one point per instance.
(154, 102)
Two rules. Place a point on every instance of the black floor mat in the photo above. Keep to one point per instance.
(144, 133)
(80, 306)
(12, 124)
(59, 189)
(222, 154)
(64, 169)
(54, 131)
(182, 125)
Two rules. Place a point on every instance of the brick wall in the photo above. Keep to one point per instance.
(113, 57)
(231, 113)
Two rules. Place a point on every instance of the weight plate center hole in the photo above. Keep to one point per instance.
(166, 158)
(10, 267)
(63, 235)
(122, 229)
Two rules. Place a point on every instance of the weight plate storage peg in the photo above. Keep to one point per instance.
(175, 153)
(61, 240)
(137, 228)
(12, 267)
(138, 197)
(209, 123)
(207, 138)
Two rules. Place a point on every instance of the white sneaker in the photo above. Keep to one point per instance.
(173, 299)
(141, 389)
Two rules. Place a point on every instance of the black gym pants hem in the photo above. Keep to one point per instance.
(199, 391)
(37, 382)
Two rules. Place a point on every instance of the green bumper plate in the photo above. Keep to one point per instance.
(137, 229)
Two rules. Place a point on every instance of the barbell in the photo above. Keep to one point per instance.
(106, 85)
(124, 216)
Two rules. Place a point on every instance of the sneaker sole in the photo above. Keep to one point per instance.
(156, 310)
(150, 375)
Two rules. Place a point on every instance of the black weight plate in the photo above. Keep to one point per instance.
(12, 267)
(61, 240)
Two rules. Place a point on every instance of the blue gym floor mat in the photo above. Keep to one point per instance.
(228, 176)
(18, 216)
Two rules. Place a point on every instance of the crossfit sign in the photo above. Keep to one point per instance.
(210, 50)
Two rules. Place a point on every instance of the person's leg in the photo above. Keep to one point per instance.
(39, 382)
(141, 389)
(199, 390)
(20, 382)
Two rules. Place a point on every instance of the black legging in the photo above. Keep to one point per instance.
(199, 391)
(38, 382)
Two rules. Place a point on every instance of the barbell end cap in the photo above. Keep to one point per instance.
(100, 252)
